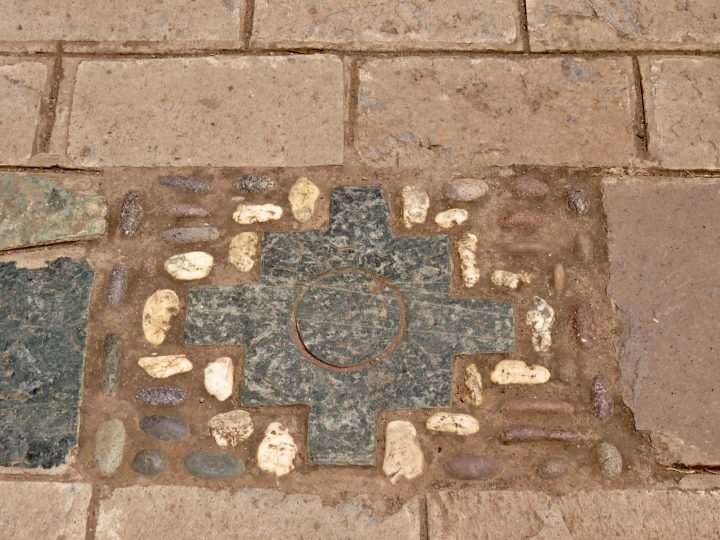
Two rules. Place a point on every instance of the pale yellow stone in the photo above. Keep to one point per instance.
(162, 367)
(247, 214)
(189, 266)
(302, 197)
(277, 451)
(452, 217)
(231, 428)
(243, 250)
(518, 372)
(415, 205)
(160, 308)
(466, 248)
(511, 280)
(403, 456)
(219, 375)
(457, 423)
(540, 319)
(473, 385)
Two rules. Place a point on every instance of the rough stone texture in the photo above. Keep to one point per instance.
(344, 400)
(221, 111)
(121, 20)
(625, 24)
(213, 465)
(34, 510)
(458, 112)
(682, 97)
(591, 515)
(22, 85)
(666, 291)
(43, 333)
(36, 211)
(172, 512)
(394, 24)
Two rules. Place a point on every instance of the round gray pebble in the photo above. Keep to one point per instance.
(165, 428)
(116, 285)
(111, 364)
(468, 467)
(609, 459)
(149, 462)
(109, 446)
(213, 465)
(253, 183)
(465, 189)
(578, 200)
(553, 467)
(161, 395)
(131, 213)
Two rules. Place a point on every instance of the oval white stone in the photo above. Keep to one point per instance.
(277, 450)
(247, 214)
(159, 309)
(189, 266)
(473, 385)
(452, 217)
(403, 455)
(162, 367)
(303, 195)
(457, 423)
(243, 249)
(518, 372)
(219, 378)
(415, 205)
(540, 319)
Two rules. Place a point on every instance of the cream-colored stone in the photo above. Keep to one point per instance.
(403, 456)
(450, 218)
(162, 367)
(277, 450)
(415, 205)
(448, 112)
(511, 280)
(540, 319)
(466, 247)
(518, 372)
(22, 85)
(220, 111)
(473, 385)
(189, 266)
(302, 197)
(231, 428)
(160, 308)
(243, 250)
(457, 423)
(247, 214)
(219, 376)
(682, 97)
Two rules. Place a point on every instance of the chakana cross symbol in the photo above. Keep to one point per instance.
(349, 322)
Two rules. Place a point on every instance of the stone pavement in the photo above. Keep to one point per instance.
(344, 269)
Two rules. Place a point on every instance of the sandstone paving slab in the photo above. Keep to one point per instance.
(22, 85)
(43, 335)
(638, 24)
(342, 289)
(35, 211)
(631, 514)
(664, 251)
(188, 513)
(448, 112)
(395, 24)
(35, 510)
(682, 100)
(121, 20)
(221, 111)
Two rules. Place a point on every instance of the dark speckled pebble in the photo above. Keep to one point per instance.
(609, 459)
(165, 428)
(149, 462)
(213, 465)
(553, 467)
(468, 467)
(253, 183)
(578, 201)
(584, 323)
(116, 285)
(186, 183)
(161, 395)
(188, 235)
(131, 213)
(111, 364)
(602, 399)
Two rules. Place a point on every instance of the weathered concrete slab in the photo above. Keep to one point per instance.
(189, 513)
(222, 111)
(590, 515)
(35, 510)
(664, 255)
(395, 24)
(43, 333)
(460, 112)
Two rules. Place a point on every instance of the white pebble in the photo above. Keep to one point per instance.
(540, 319)
(415, 205)
(247, 214)
(403, 456)
(162, 367)
(302, 197)
(511, 280)
(159, 309)
(219, 378)
(277, 451)
(473, 385)
(518, 372)
(243, 249)
(231, 428)
(452, 217)
(459, 424)
(189, 266)
(466, 248)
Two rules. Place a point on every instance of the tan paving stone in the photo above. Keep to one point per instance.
(22, 85)
(121, 20)
(189, 513)
(589, 515)
(637, 24)
(394, 24)
(424, 112)
(39, 510)
(225, 111)
(682, 103)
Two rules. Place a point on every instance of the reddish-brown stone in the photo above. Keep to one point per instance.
(540, 406)
(523, 219)
(527, 247)
(584, 323)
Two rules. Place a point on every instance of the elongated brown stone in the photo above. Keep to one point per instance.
(533, 433)
(541, 406)
(530, 188)
(583, 247)
(526, 247)
(130, 213)
(523, 219)
(116, 285)
(467, 467)
(602, 399)
(558, 277)
(189, 210)
(584, 324)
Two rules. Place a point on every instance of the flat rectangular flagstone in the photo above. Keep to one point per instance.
(388, 25)
(37, 211)
(462, 112)
(220, 111)
(43, 334)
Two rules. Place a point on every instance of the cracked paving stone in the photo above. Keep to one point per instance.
(43, 333)
(404, 328)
